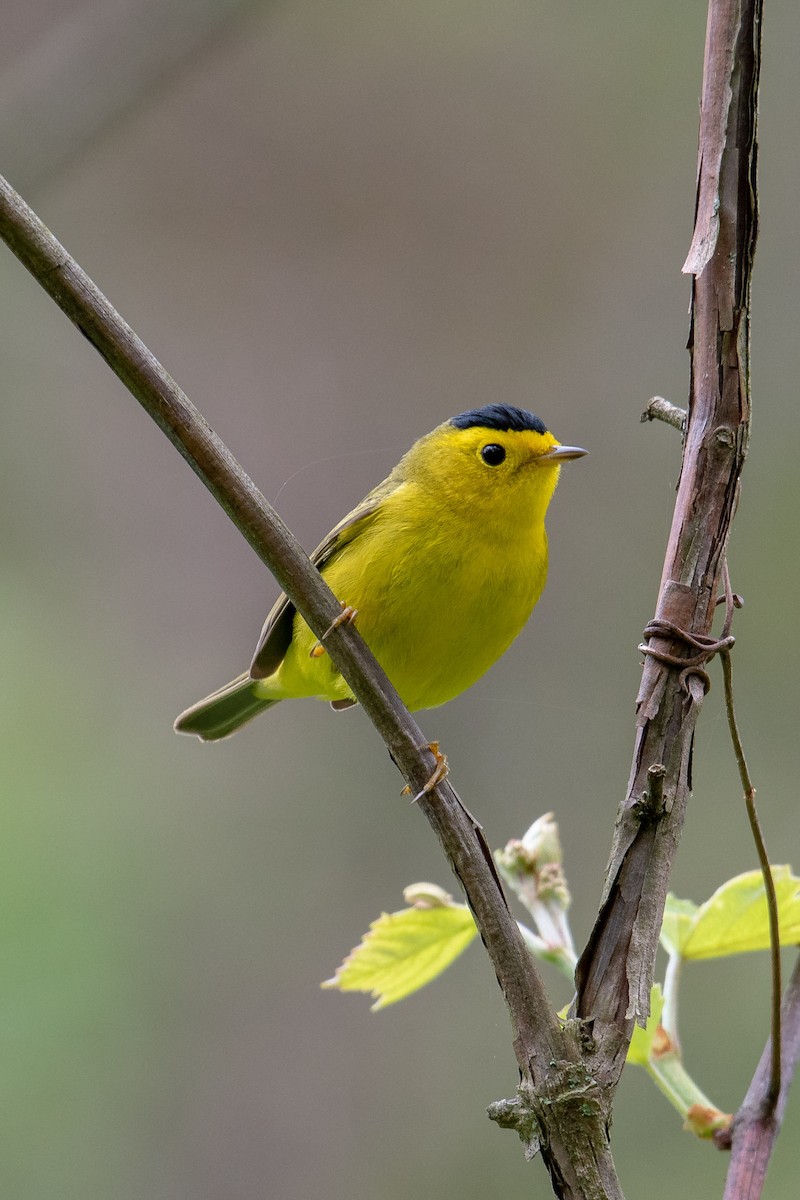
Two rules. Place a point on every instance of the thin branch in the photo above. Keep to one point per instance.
(659, 409)
(773, 1091)
(570, 1117)
(752, 1135)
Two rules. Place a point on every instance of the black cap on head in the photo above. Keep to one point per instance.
(499, 416)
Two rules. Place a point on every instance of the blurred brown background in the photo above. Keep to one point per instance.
(339, 222)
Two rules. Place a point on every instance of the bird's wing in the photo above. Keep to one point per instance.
(277, 632)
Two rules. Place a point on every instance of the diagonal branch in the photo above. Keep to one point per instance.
(570, 1119)
(615, 972)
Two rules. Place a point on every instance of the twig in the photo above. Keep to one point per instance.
(559, 1096)
(659, 409)
(773, 1091)
(752, 1135)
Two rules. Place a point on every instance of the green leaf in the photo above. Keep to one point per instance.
(734, 919)
(405, 950)
(642, 1040)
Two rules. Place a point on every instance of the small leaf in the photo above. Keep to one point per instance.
(734, 919)
(405, 950)
(642, 1041)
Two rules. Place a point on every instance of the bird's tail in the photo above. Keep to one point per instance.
(223, 712)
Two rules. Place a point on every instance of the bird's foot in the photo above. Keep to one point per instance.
(345, 617)
(440, 773)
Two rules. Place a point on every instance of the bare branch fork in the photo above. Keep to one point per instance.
(569, 1071)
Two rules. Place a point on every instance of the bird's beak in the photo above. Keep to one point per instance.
(560, 454)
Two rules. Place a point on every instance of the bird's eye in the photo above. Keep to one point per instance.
(493, 454)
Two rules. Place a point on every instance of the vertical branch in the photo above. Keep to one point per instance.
(615, 971)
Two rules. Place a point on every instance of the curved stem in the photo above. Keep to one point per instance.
(774, 1089)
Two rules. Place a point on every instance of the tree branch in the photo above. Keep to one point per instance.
(615, 972)
(756, 1126)
(659, 409)
(571, 1120)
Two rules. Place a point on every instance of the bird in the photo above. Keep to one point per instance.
(440, 566)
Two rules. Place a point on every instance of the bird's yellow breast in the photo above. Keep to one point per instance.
(441, 593)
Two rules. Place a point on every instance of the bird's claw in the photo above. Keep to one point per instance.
(345, 617)
(440, 773)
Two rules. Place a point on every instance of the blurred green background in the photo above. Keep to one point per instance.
(339, 222)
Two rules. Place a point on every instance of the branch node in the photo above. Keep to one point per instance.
(725, 437)
(723, 1138)
(570, 1091)
(651, 805)
(659, 409)
(519, 1115)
